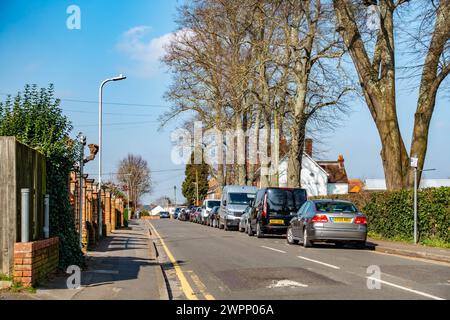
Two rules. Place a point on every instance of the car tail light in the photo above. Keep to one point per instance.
(264, 211)
(361, 220)
(319, 218)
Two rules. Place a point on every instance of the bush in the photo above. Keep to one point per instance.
(391, 215)
(144, 213)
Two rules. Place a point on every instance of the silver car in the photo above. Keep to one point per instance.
(333, 221)
(235, 199)
(243, 224)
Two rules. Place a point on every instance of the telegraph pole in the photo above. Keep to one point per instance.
(196, 184)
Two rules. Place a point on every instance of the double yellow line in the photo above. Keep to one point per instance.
(185, 286)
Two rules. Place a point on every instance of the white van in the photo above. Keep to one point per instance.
(235, 199)
(207, 206)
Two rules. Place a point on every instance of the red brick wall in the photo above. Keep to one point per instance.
(34, 261)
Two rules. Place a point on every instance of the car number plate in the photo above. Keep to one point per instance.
(273, 221)
(342, 220)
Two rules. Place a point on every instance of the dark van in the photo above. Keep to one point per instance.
(273, 209)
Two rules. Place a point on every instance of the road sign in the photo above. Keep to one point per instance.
(414, 161)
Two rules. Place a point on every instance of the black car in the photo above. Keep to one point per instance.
(273, 209)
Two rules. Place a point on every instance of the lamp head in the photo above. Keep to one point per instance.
(120, 77)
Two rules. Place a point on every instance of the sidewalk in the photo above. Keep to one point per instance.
(410, 250)
(123, 266)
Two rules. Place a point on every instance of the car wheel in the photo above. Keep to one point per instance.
(221, 226)
(225, 226)
(290, 237)
(259, 233)
(306, 242)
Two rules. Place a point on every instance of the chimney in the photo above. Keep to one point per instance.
(341, 161)
(308, 147)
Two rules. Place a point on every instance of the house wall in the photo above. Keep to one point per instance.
(337, 188)
(313, 178)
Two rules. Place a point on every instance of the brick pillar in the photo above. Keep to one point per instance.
(118, 225)
(96, 213)
(106, 199)
(113, 213)
(122, 212)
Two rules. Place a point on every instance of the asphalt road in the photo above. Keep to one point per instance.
(217, 264)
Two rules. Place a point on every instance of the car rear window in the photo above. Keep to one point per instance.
(290, 199)
(335, 207)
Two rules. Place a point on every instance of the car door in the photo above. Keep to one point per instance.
(303, 219)
(255, 209)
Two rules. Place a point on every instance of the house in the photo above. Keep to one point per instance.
(380, 184)
(355, 185)
(318, 177)
(156, 210)
(213, 189)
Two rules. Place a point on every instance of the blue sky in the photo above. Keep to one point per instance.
(128, 37)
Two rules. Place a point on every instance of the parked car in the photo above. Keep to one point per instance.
(213, 217)
(184, 215)
(176, 213)
(273, 210)
(207, 206)
(243, 224)
(334, 221)
(198, 215)
(235, 200)
(164, 215)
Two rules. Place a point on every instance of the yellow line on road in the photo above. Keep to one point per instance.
(201, 286)
(185, 286)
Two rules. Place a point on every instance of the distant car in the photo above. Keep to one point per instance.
(183, 215)
(334, 221)
(213, 217)
(273, 209)
(207, 206)
(243, 224)
(198, 215)
(164, 215)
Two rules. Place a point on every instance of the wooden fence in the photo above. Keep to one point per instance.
(20, 167)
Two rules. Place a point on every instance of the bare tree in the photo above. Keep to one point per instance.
(134, 171)
(377, 75)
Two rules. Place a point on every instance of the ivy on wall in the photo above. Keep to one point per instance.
(35, 118)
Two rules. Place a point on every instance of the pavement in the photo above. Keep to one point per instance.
(124, 266)
(410, 250)
(208, 263)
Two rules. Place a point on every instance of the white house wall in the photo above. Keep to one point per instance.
(313, 178)
(337, 188)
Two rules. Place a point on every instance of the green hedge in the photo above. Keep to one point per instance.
(390, 214)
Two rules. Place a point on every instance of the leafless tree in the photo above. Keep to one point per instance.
(134, 171)
(375, 65)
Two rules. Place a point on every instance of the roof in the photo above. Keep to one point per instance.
(355, 185)
(335, 169)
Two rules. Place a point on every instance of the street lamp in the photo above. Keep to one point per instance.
(100, 129)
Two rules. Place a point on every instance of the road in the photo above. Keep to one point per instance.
(207, 263)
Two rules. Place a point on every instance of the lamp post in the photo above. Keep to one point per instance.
(100, 129)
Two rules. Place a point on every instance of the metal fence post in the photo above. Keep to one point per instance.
(47, 216)
(25, 215)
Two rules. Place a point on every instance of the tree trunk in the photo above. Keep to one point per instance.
(275, 152)
(253, 148)
(265, 162)
(240, 150)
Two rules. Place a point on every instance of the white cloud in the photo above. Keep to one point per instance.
(144, 52)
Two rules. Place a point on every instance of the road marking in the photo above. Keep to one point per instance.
(406, 289)
(201, 286)
(319, 262)
(286, 283)
(273, 249)
(185, 286)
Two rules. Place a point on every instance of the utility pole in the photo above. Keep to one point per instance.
(175, 194)
(196, 184)
(80, 219)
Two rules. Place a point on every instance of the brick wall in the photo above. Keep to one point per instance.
(34, 261)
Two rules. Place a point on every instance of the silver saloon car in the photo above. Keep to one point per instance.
(333, 221)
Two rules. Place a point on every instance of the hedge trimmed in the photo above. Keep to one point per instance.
(391, 215)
